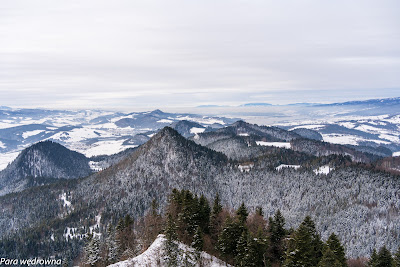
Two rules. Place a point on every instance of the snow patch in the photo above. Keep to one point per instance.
(309, 126)
(72, 233)
(341, 139)
(154, 256)
(31, 133)
(391, 138)
(245, 167)
(165, 121)
(95, 166)
(108, 147)
(348, 125)
(63, 197)
(394, 119)
(346, 139)
(396, 154)
(8, 124)
(274, 144)
(323, 170)
(7, 158)
(81, 134)
(368, 129)
(95, 227)
(109, 125)
(196, 130)
(2, 145)
(243, 134)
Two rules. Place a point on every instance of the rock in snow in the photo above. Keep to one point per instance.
(154, 256)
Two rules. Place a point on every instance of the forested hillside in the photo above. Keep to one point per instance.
(40, 164)
(354, 201)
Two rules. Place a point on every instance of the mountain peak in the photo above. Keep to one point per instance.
(43, 145)
(166, 136)
(167, 131)
(46, 159)
(157, 112)
(240, 123)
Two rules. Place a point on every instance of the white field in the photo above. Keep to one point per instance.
(6, 158)
(31, 133)
(108, 147)
(196, 130)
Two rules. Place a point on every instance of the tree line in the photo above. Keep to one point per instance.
(237, 236)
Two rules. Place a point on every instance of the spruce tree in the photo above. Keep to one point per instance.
(261, 246)
(396, 258)
(259, 211)
(125, 237)
(198, 241)
(154, 207)
(255, 252)
(277, 232)
(230, 234)
(93, 251)
(305, 248)
(329, 259)
(128, 221)
(112, 245)
(384, 258)
(337, 249)
(215, 219)
(317, 243)
(373, 261)
(204, 214)
(171, 246)
(242, 213)
(241, 250)
(217, 207)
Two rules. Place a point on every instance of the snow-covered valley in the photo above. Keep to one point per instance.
(91, 133)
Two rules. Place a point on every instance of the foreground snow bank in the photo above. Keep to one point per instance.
(154, 256)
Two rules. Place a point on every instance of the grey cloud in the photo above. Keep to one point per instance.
(127, 53)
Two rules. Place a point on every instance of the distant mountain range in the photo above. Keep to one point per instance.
(256, 104)
(372, 102)
(375, 102)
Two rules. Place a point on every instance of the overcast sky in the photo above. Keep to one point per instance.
(127, 54)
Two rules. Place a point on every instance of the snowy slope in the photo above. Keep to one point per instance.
(374, 131)
(153, 256)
